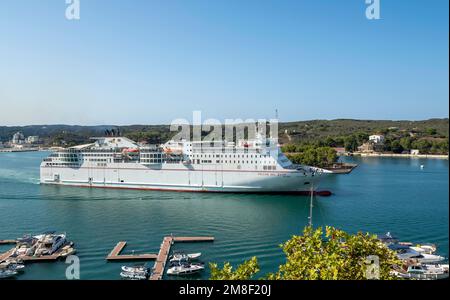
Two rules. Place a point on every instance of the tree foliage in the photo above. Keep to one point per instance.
(245, 271)
(312, 156)
(315, 255)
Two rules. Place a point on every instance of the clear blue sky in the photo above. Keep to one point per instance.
(148, 62)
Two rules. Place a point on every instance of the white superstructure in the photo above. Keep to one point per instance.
(256, 165)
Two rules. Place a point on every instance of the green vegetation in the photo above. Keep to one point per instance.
(429, 136)
(335, 255)
(244, 271)
(427, 140)
(311, 155)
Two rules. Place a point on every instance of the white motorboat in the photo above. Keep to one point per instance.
(49, 243)
(133, 275)
(5, 273)
(424, 248)
(426, 272)
(420, 257)
(135, 269)
(185, 269)
(12, 266)
(179, 256)
(24, 250)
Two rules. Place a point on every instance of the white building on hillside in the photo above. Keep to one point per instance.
(32, 139)
(18, 138)
(377, 139)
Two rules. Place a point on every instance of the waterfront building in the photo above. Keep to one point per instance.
(366, 148)
(32, 139)
(18, 138)
(377, 138)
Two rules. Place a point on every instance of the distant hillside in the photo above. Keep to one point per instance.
(318, 129)
(290, 132)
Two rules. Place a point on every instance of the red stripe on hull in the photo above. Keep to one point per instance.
(302, 193)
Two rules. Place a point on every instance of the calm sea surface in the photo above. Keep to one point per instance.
(382, 194)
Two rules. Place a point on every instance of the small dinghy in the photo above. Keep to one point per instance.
(185, 269)
(133, 275)
(6, 273)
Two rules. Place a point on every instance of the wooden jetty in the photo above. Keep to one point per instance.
(115, 254)
(161, 257)
(6, 242)
(40, 258)
(160, 264)
(6, 255)
(192, 239)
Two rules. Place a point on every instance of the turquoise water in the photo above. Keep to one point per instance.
(381, 195)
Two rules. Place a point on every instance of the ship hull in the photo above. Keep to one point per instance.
(212, 178)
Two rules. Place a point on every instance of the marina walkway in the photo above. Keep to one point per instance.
(6, 255)
(162, 256)
(115, 254)
(6, 242)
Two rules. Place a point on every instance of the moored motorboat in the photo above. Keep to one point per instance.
(136, 269)
(424, 258)
(424, 248)
(12, 266)
(180, 256)
(425, 272)
(133, 275)
(185, 269)
(6, 273)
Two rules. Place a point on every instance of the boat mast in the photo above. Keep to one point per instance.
(311, 205)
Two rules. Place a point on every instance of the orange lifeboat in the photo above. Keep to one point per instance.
(130, 150)
(174, 150)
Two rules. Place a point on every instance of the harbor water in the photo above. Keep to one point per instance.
(380, 195)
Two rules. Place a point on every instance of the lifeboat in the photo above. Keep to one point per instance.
(174, 150)
(130, 150)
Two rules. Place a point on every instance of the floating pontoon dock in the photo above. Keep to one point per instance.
(115, 254)
(6, 242)
(158, 269)
(161, 257)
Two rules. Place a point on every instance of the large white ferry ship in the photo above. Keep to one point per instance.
(256, 165)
